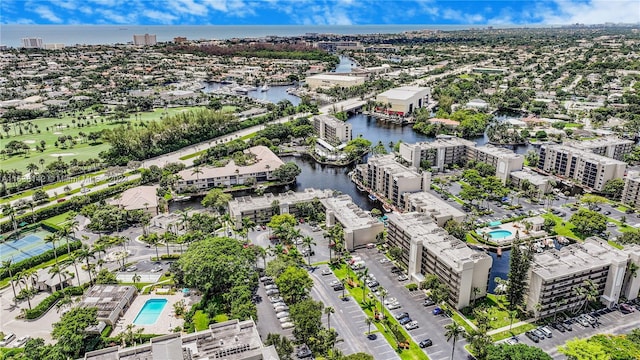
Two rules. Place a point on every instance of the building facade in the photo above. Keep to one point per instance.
(331, 129)
(631, 191)
(403, 100)
(505, 161)
(390, 179)
(611, 147)
(429, 249)
(541, 183)
(144, 40)
(555, 276)
(439, 210)
(360, 228)
(586, 168)
(32, 43)
(327, 81)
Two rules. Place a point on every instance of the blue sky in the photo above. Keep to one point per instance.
(317, 12)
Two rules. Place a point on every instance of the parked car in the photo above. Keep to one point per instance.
(626, 308)
(284, 320)
(21, 341)
(8, 338)
(384, 260)
(546, 331)
(280, 303)
(558, 326)
(338, 287)
(282, 308)
(411, 325)
(396, 270)
(437, 311)
(132, 268)
(403, 277)
(372, 284)
(273, 292)
(394, 305)
(334, 282)
(404, 320)
(303, 352)
(425, 343)
(538, 333)
(401, 315)
(428, 302)
(282, 314)
(286, 325)
(326, 272)
(390, 300)
(271, 286)
(532, 336)
(276, 299)
(265, 278)
(590, 319)
(511, 341)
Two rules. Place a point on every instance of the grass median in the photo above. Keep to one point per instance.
(368, 305)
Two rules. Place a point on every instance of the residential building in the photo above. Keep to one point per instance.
(260, 209)
(438, 209)
(32, 43)
(179, 39)
(445, 151)
(110, 300)
(331, 129)
(144, 40)
(429, 249)
(360, 228)
(631, 285)
(206, 177)
(631, 191)
(143, 198)
(504, 160)
(231, 340)
(403, 100)
(538, 184)
(555, 276)
(586, 168)
(390, 179)
(54, 46)
(326, 81)
(612, 147)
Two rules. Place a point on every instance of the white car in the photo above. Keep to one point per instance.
(389, 300)
(334, 283)
(276, 299)
(411, 325)
(282, 308)
(403, 277)
(286, 325)
(21, 341)
(278, 304)
(285, 320)
(282, 314)
(272, 286)
(393, 306)
(8, 338)
(384, 260)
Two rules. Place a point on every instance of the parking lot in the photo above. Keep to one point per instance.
(430, 326)
(267, 321)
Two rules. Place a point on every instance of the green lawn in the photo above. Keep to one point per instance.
(560, 229)
(496, 307)
(514, 331)
(58, 219)
(200, 320)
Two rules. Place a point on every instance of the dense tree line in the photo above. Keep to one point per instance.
(472, 123)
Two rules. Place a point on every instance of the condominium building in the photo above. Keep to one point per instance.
(360, 228)
(631, 191)
(111, 301)
(434, 206)
(612, 147)
(540, 183)
(232, 340)
(32, 43)
(231, 174)
(388, 178)
(555, 276)
(403, 100)
(260, 209)
(445, 151)
(326, 81)
(144, 40)
(429, 249)
(331, 129)
(631, 285)
(586, 168)
(504, 160)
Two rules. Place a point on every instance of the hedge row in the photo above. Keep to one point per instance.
(36, 260)
(48, 302)
(75, 203)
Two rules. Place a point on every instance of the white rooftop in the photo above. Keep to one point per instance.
(403, 93)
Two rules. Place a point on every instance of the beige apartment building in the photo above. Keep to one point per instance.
(433, 205)
(555, 275)
(326, 81)
(611, 147)
(360, 228)
(331, 129)
(541, 183)
(505, 161)
(631, 191)
(260, 209)
(586, 168)
(429, 249)
(384, 175)
(144, 40)
(403, 100)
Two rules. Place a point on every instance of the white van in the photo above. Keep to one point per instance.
(8, 338)
(546, 331)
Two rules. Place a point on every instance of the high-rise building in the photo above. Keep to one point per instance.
(144, 40)
(611, 147)
(631, 191)
(331, 129)
(32, 43)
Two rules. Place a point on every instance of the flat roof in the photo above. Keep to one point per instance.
(349, 214)
(331, 121)
(433, 205)
(441, 142)
(139, 197)
(498, 151)
(534, 178)
(585, 154)
(390, 165)
(335, 77)
(249, 203)
(404, 92)
(595, 143)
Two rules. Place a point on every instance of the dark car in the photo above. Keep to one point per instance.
(396, 270)
(338, 287)
(437, 311)
(304, 352)
(404, 320)
(607, 212)
(567, 325)
(402, 315)
(558, 326)
(372, 336)
(425, 343)
(532, 336)
(428, 302)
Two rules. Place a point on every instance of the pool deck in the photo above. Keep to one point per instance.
(166, 320)
(513, 227)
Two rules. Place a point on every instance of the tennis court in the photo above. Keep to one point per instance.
(28, 245)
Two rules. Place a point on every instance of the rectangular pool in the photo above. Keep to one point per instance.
(150, 312)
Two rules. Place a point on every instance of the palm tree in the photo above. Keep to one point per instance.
(453, 331)
(57, 270)
(383, 295)
(262, 253)
(247, 224)
(7, 265)
(475, 291)
(196, 171)
(27, 277)
(73, 259)
(308, 242)
(85, 254)
(368, 321)
(136, 278)
(363, 275)
(8, 210)
(184, 218)
(329, 310)
(52, 238)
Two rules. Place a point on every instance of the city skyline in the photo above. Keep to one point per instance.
(318, 12)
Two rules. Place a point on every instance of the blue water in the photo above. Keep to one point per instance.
(495, 223)
(150, 312)
(500, 234)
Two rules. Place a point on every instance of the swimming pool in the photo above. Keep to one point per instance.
(150, 312)
(500, 234)
(495, 223)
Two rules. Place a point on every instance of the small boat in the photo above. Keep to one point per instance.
(387, 208)
(360, 188)
(499, 251)
(264, 87)
(240, 90)
(373, 197)
(182, 198)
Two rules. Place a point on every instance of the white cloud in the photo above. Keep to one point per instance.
(462, 17)
(592, 12)
(46, 13)
(112, 17)
(219, 5)
(159, 16)
(190, 7)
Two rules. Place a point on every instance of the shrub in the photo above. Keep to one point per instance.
(50, 300)
(412, 287)
(35, 260)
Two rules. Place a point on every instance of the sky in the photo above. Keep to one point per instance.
(319, 12)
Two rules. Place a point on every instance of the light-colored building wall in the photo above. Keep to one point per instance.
(429, 249)
(333, 130)
(326, 81)
(632, 278)
(555, 275)
(438, 209)
(540, 182)
(360, 228)
(403, 100)
(144, 40)
(32, 43)
(505, 161)
(611, 147)
(631, 191)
